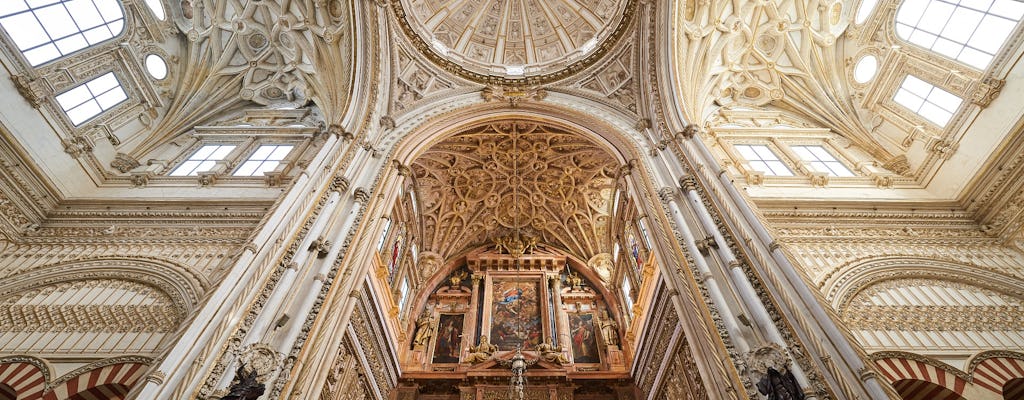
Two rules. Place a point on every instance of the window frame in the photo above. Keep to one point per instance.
(92, 98)
(899, 87)
(916, 27)
(193, 173)
(14, 47)
(250, 153)
(810, 163)
(770, 147)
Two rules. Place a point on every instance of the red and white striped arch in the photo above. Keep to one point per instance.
(27, 380)
(106, 381)
(993, 373)
(897, 369)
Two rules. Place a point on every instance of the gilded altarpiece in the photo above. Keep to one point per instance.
(488, 305)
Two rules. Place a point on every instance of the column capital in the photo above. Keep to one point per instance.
(688, 183)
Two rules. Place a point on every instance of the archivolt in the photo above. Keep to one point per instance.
(840, 290)
(181, 285)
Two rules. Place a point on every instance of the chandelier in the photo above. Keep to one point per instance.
(517, 246)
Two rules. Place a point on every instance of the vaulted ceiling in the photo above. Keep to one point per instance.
(490, 180)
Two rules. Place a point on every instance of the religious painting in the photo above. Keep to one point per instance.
(584, 339)
(515, 314)
(448, 344)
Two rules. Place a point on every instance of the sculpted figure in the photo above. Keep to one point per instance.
(245, 386)
(610, 330)
(574, 280)
(780, 386)
(551, 354)
(424, 330)
(481, 352)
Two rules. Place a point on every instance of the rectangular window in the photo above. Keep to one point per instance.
(384, 235)
(627, 294)
(89, 99)
(643, 232)
(761, 158)
(264, 159)
(203, 160)
(928, 101)
(821, 160)
(403, 293)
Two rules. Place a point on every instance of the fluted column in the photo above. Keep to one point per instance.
(748, 295)
(726, 313)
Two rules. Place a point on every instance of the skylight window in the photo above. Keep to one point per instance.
(89, 99)
(203, 160)
(761, 158)
(48, 29)
(970, 31)
(928, 101)
(264, 159)
(821, 160)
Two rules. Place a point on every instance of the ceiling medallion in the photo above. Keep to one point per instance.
(514, 42)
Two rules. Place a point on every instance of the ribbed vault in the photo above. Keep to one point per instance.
(468, 193)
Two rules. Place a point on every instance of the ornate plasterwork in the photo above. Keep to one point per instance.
(775, 55)
(468, 188)
(514, 42)
(268, 52)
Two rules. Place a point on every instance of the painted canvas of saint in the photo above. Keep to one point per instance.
(448, 343)
(515, 315)
(584, 341)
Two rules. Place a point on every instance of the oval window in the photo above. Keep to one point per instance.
(156, 66)
(865, 69)
(865, 9)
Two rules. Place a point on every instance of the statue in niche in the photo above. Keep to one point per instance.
(245, 386)
(551, 353)
(481, 352)
(455, 282)
(424, 330)
(575, 281)
(609, 329)
(780, 386)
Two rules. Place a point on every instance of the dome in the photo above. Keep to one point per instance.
(513, 40)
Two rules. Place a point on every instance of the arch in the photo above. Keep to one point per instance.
(979, 36)
(842, 287)
(994, 371)
(913, 389)
(102, 392)
(44, 33)
(109, 375)
(897, 366)
(184, 287)
(25, 376)
(418, 132)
